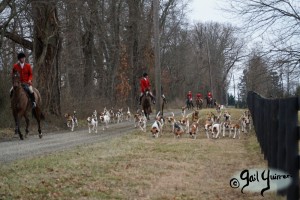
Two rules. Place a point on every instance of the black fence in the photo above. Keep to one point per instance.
(276, 126)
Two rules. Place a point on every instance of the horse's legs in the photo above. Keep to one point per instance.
(17, 129)
(37, 115)
(27, 125)
(40, 131)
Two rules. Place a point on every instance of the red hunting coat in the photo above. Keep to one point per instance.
(144, 84)
(189, 96)
(25, 73)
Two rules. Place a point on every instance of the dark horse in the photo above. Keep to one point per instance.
(21, 104)
(199, 103)
(146, 104)
(189, 104)
(210, 102)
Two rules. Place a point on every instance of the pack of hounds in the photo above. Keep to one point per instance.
(106, 117)
(214, 125)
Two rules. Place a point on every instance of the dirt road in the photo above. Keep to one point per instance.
(51, 142)
(32, 146)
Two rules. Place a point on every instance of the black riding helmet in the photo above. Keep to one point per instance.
(145, 74)
(21, 55)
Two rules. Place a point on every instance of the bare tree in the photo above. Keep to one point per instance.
(46, 50)
(277, 22)
(219, 49)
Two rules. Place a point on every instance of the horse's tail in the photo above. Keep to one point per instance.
(38, 114)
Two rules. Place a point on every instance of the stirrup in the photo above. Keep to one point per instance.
(33, 105)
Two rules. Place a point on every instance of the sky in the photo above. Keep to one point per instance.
(206, 10)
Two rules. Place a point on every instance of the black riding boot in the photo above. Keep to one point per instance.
(11, 93)
(32, 98)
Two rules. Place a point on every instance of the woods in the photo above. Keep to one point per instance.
(90, 54)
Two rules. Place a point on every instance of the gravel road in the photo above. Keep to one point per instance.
(59, 141)
(51, 142)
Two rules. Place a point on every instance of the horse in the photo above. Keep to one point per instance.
(199, 103)
(210, 102)
(146, 104)
(21, 104)
(189, 104)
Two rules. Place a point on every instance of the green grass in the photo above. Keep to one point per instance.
(137, 166)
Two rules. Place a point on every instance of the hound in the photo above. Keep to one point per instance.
(142, 122)
(93, 122)
(195, 116)
(105, 118)
(216, 130)
(225, 126)
(128, 115)
(246, 118)
(156, 128)
(226, 123)
(171, 121)
(208, 123)
(136, 119)
(185, 123)
(112, 116)
(178, 130)
(194, 129)
(119, 115)
(227, 116)
(71, 120)
(236, 128)
(218, 107)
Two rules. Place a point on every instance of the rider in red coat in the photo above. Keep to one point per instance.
(199, 95)
(209, 95)
(189, 99)
(25, 71)
(189, 96)
(145, 86)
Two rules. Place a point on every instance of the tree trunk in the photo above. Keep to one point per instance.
(46, 49)
(133, 44)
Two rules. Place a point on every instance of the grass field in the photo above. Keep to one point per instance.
(137, 166)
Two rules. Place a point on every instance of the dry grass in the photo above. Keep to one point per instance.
(136, 166)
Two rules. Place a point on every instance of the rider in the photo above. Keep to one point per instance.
(199, 96)
(190, 98)
(209, 95)
(145, 86)
(26, 75)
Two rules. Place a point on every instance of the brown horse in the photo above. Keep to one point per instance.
(199, 103)
(146, 105)
(21, 104)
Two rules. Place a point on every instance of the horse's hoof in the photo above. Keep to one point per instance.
(21, 137)
(40, 136)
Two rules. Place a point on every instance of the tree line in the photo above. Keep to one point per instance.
(93, 53)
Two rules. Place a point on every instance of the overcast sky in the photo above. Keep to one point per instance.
(207, 10)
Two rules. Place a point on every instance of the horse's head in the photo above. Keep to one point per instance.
(16, 82)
